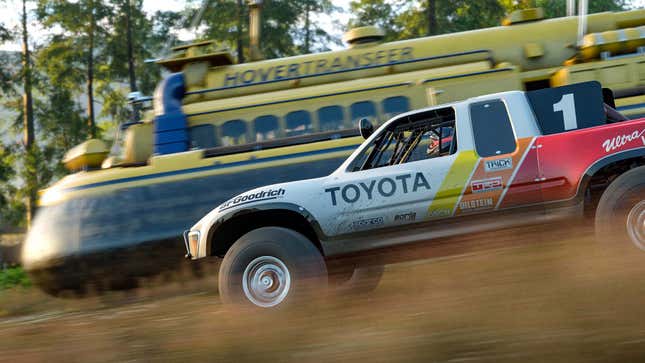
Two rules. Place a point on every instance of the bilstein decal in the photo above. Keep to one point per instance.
(384, 187)
(476, 204)
(254, 197)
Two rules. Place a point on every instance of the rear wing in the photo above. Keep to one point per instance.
(566, 108)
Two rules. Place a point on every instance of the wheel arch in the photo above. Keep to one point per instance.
(229, 228)
(603, 172)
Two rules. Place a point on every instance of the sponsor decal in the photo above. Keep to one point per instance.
(441, 212)
(385, 188)
(254, 197)
(486, 185)
(319, 66)
(619, 141)
(476, 204)
(498, 164)
(406, 217)
(367, 223)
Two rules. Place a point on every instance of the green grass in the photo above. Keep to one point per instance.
(13, 277)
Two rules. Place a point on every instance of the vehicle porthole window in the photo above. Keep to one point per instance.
(330, 118)
(395, 105)
(266, 128)
(233, 133)
(298, 123)
(363, 109)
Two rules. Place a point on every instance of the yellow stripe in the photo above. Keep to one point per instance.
(57, 192)
(453, 184)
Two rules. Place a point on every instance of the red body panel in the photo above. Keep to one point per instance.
(564, 158)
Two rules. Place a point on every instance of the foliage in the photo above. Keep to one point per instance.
(13, 277)
(404, 19)
(287, 27)
(557, 8)
(11, 211)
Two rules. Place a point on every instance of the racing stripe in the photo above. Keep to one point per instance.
(453, 185)
(516, 169)
(485, 188)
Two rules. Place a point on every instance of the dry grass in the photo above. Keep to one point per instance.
(554, 297)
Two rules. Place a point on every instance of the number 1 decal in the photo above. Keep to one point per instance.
(568, 107)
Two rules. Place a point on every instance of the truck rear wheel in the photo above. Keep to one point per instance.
(620, 215)
(272, 267)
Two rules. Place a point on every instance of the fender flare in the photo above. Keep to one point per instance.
(276, 206)
(605, 161)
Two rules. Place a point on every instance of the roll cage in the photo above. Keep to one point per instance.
(397, 142)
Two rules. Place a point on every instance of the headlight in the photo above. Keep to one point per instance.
(191, 239)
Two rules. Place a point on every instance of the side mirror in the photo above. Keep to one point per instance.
(365, 127)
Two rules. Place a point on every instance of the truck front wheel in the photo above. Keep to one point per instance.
(621, 210)
(272, 267)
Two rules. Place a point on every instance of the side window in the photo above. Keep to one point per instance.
(492, 128)
(202, 136)
(331, 118)
(395, 105)
(298, 123)
(266, 127)
(233, 133)
(421, 136)
(363, 109)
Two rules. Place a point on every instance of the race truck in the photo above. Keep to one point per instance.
(489, 162)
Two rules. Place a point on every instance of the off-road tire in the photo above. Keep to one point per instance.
(273, 248)
(621, 210)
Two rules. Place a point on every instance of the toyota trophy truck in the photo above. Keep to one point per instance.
(486, 163)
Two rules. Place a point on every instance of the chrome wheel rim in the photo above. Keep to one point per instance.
(636, 225)
(266, 281)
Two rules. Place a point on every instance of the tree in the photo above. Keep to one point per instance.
(557, 8)
(28, 116)
(312, 32)
(150, 36)
(380, 13)
(5, 76)
(76, 43)
(287, 27)
(28, 108)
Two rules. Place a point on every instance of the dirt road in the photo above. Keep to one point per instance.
(545, 297)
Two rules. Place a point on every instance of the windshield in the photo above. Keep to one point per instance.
(412, 138)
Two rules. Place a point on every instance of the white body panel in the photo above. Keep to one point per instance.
(346, 201)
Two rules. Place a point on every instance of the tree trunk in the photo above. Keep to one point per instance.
(27, 102)
(240, 21)
(432, 17)
(131, 71)
(128, 26)
(28, 113)
(90, 74)
(307, 30)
